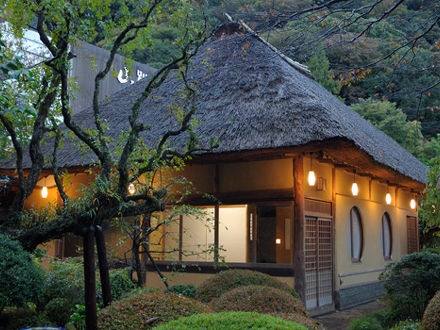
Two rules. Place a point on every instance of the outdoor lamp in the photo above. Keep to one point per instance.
(44, 192)
(388, 198)
(413, 204)
(354, 186)
(311, 177)
(131, 189)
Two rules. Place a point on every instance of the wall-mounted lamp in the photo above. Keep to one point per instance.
(413, 204)
(131, 189)
(311, 177)
(278, 241)
(354, 186)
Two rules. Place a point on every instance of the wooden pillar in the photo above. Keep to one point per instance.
(216, 216)
(89, 279)
(298, 224)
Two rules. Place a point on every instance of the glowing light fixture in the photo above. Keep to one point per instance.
(44, 192)
(413, 203)
(354, 186)
(311, 177)
(388, 198)
(278, 241)
(131, 189)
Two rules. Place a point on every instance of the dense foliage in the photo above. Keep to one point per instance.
(145, 310)
(227, 280)
(431, 317)
(58, 311)
(410, 283)
(230, 320)
(21, 281)
(365, 322)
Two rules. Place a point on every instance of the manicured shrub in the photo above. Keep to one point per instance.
(410, 284)
(407, 325)
(58, 311)
(187, 290)
(366, 322)
(431, 317)
(137, 311)
(265, 300)
(21, 281)
(224, 281)
(260, 299)
(230, 320)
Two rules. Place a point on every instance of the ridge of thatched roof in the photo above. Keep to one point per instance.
(249, 98)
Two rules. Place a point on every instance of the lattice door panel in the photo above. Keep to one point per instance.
(318, 261)
(412, 233)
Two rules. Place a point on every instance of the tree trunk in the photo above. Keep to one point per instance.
(137, 263)
(103, 266)
(90, 280)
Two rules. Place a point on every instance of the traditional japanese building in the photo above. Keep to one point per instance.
(310, 192)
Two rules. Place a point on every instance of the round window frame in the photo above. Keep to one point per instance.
(361, 235)
(382, 232)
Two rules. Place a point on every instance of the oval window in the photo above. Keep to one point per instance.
(386, 237)
(354, 235)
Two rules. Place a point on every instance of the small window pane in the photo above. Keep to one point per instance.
(354, 234)
(386, 239)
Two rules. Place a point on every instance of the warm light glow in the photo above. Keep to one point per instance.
(44, 192)
(355, 189)
(311, 178)
(131, 189)
(278, 241)
(388, 198)
(413, 203)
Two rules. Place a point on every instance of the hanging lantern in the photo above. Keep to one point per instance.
(44, 192)
(354, 186)
(131, 189)
(355, 189)
(311, 177)
(388, 198)
(413, 204)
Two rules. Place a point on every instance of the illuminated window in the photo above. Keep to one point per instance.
(354, 235)
(386, 238)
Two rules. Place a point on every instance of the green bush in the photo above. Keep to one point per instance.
(21, 281)
(410, 284)
(224, 281)
(14, 318)
(135, 311)
(431, 317)
(120, 283)
(407, 325)
(58, 311)
(188, 290)
(365, 322)
(230, 320)
(64, 279)
(265, 300)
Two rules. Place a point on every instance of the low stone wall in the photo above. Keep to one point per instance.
(357, 294)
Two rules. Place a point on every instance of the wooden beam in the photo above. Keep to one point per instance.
(298, 224)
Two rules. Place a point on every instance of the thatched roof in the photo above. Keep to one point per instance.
(250, 99)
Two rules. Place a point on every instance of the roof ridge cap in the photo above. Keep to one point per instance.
(296, 65)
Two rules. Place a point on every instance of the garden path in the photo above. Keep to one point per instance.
(340, 320)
